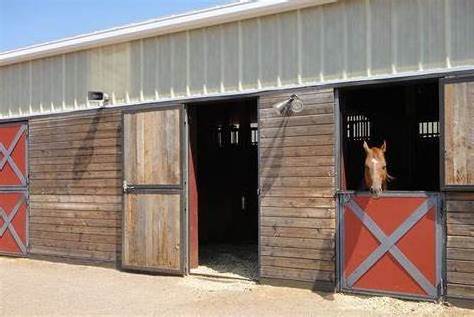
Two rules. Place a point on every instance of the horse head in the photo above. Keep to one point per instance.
(376, 175)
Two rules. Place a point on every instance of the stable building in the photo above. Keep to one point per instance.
(148, 147)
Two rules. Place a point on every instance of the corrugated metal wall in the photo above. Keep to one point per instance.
(342, 41)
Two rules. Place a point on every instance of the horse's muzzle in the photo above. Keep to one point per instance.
(375, 192)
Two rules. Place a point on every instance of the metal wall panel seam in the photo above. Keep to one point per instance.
(280, 50)
(204, 88)
(172, 92)
(142, 97)
(259, 78)
(368, 38)
(421, 38)
(321, 44)
(345, 42)
(63, 80)
(300, 49)
(447, 29)
(221, 60)
(188, 71)
(394, 36)
(240, 87)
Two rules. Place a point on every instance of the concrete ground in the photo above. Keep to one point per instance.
(29, 287)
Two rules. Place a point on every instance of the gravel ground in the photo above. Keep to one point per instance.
(37, 288)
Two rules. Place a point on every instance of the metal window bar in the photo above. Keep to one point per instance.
(254, 133)
(357, 128)
(428, 129)
(220, 136)
(234, 134)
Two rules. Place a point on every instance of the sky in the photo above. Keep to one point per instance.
(28, 22)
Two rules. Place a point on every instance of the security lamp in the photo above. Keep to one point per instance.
(98, 97)
(293, 104)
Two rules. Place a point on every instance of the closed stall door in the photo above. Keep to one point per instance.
(13, 189)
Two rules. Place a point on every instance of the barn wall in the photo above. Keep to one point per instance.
(297, 206)
(75, 186)
(460, 244)
(347, 40)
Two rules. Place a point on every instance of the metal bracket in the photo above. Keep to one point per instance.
(345, 198)
(126, 187)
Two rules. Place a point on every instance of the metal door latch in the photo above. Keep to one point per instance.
(126, 187)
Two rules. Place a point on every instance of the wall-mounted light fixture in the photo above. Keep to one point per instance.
(293, 104)
(99, 98)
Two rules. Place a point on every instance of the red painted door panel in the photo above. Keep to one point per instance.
(13, 223)
(13, 189)
(390, 244)
(13, 166)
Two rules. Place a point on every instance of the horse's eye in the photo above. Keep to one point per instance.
(384, 167)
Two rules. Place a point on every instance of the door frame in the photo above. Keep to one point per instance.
(203, 103)
(340, 178)
(181, 189)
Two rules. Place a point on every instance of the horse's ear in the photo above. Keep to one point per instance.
(384, 146)
(366, 147)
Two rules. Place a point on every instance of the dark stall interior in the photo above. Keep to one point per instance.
(406, 116)
(224, 139)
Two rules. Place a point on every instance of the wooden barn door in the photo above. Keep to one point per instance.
(154, 223)
(457, 129)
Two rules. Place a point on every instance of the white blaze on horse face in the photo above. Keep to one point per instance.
(376, 176)
(375, 168)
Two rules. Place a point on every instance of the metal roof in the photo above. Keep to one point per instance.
(171, 24)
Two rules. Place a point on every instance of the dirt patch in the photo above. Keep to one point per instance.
(37, 288)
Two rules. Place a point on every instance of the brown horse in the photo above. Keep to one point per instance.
(376, 175)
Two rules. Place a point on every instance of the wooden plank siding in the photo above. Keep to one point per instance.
(75, 186)
(297, 205)
(460, 244)
(459, 133)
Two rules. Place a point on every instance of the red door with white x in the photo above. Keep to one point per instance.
(390, 244)
(13, 189)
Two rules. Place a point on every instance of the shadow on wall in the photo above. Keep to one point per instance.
(85, 152)
(83, 157)
(274, 161)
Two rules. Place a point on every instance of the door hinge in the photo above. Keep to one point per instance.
(441, 288)
(345, 198)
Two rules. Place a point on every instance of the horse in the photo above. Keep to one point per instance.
(376, 176)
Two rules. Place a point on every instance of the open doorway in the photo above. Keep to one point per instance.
(406, 116)
(223, 182)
